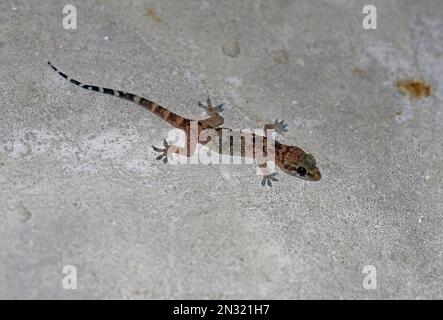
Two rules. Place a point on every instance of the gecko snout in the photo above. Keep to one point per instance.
(315, 175)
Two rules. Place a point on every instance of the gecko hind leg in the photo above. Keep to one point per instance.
(210, 109)
(215, 119)
(164, 152)
(170, 149)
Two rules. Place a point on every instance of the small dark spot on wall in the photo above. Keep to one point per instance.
(231, 48)
(23, 212)
(362, 73)
(414, 88)
(282, 56)
(30, 136)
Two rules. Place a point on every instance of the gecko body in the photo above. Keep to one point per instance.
(290, 159)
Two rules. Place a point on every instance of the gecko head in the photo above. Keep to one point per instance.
(301, 165)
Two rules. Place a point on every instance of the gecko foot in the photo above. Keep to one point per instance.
(280, 126)
(164, 152)
(267, 179)
(210, 110)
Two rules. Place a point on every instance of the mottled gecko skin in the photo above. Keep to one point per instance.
(290, 159)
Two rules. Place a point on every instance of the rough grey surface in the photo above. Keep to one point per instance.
(79, 184)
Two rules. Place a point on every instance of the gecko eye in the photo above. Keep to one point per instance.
(301, 171)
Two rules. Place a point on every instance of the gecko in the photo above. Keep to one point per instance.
(289, 159)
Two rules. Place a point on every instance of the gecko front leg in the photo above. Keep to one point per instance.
(267, 179)
(279, 126)
(209, 108)
(268, 176)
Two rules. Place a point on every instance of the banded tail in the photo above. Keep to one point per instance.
(169, 116)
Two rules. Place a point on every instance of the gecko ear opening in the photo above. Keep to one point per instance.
(310, 160)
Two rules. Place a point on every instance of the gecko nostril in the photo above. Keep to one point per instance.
(317, 176)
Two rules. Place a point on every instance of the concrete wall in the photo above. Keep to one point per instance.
(79, 183)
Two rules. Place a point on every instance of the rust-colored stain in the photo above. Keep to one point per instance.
(414, 88)
(153, 15)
